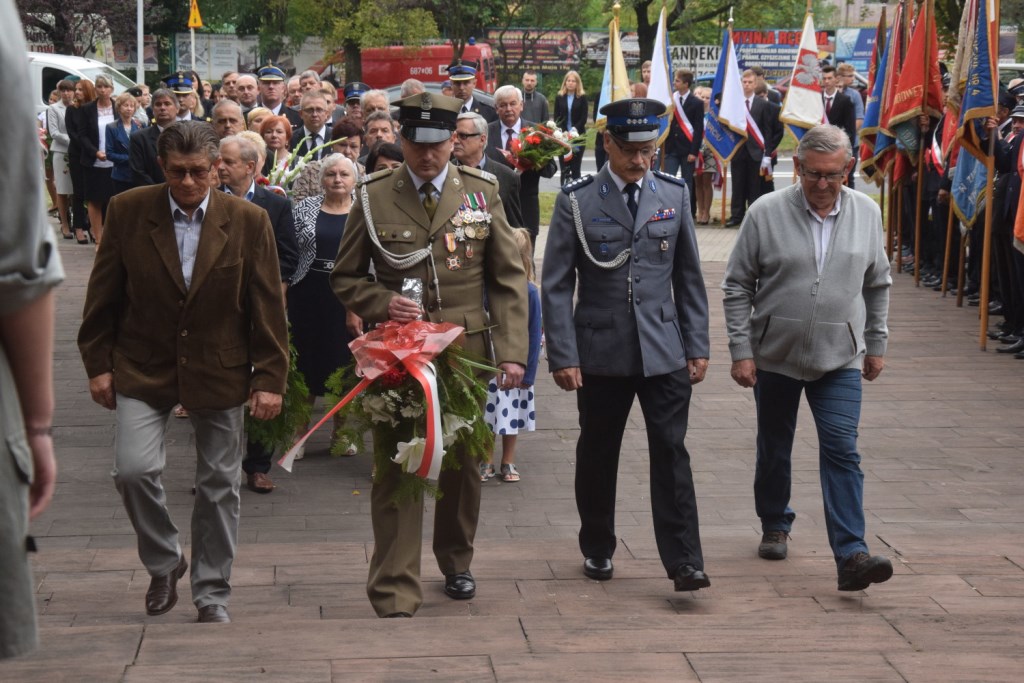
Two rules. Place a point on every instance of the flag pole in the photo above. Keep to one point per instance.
(898, 223)
(888, 218)
(949, 246)
(961, 272)
(986, 249)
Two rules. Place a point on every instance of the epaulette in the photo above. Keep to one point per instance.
(577, 184)
(383, 173)
(670, 178)
(479, 173)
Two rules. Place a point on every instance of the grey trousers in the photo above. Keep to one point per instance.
(139, 460)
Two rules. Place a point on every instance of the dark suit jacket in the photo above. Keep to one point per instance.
(577, 118)
(485, 110)
(88, 133)
(766, 116)
(142, 157)
(508, 190)
(117, 141)
(280, 211)
(304, 146)
(843, 114)
(205, 346)
(677, 144)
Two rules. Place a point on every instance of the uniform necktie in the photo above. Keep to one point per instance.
(464, 110)
(429, 202)
(316, 143)
(631, 190)
(828, 106)
(508, 140)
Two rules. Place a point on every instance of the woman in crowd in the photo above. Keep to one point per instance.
(257, 116)
(56, 115)
(704, 173)
(117, 145)
(349, 138)
(93, 120)
(321, 327)
(384, 155)
(85, 93)
(276, 132)
(571, 113)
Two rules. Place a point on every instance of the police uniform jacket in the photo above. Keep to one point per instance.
(401, 225)
(646, 317)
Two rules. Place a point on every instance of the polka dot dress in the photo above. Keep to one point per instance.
(509, 411)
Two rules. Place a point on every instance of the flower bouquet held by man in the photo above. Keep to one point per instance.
(537, 145)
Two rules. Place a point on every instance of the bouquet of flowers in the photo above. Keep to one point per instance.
(538, 145)
(278, 434)
(420, 395)
(286, 169)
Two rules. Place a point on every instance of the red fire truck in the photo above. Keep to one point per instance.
(385, 66)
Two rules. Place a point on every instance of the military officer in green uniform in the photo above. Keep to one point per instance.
(410, 224)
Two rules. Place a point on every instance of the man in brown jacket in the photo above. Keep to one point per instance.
(405, 227)
(184, 306)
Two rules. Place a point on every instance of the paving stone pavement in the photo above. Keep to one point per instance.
(941, 441)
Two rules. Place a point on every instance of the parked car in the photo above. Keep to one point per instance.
(46, 70)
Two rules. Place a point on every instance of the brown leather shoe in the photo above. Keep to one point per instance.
(214, 614)
(163, 590)
(259, 482)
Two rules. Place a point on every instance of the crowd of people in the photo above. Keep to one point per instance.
(344, 203)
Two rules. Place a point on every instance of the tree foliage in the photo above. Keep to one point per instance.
(74, 27)
(544, 16)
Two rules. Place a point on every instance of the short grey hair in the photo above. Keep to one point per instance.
(506, 92)
(161, 93)
(293, 79)
(246, 149)
(411, 86)
(252, 76)
(224, 104)
(479, 122)
(309, 73)
(332, 160)
(826, 139)
(311, 95)
(378, 116)
(372, 93)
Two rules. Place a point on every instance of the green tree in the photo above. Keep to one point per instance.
(459, 20)
(541, 16)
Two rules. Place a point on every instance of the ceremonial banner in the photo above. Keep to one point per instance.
(919, 88)
(803, 108)
(726, 126)
(895, 48)
(615, 84)
(979, 95)
(660, 87)
(876, 84)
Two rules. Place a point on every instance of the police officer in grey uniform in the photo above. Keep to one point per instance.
(639, 328)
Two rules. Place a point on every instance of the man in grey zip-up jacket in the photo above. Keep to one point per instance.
(806, 301)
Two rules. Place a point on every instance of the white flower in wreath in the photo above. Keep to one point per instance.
(451, 424)
(410, 454)
(377, 408)
(551, 125)
(411, 410)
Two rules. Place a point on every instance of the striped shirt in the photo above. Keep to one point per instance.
(186, 234)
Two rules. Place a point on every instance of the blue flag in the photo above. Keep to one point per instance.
(728, 112)
(968, 189)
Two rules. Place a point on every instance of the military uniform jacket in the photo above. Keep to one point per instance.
(487, 266)
(646, 317)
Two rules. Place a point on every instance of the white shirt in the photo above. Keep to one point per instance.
(516, 128)
(248, 195)
(821, 229)
(186, 233)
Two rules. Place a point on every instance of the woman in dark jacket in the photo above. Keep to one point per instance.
(93, 119)
(571, 112)
(85, 93)
(117, 141)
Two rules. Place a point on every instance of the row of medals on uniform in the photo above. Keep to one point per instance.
(471, 222)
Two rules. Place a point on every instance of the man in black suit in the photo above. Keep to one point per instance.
(462, 73)
(509, 100)
(470, 143)
(142, 157)
(237, 172)
(314, 131)
(839, 108)
(683, 146)
(745, 165)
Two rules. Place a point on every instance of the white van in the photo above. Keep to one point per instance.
(45, 70)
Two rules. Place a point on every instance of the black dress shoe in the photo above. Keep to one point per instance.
(1013, 348)
(214, 614)
(162, 594)
(995, 308)
(689, 578)
(733, 222)
(460, 586)
(1019, 355)
(598, 568)
(397, 615)
(1009, 338)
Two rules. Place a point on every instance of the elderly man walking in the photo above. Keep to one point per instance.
(806, 302)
